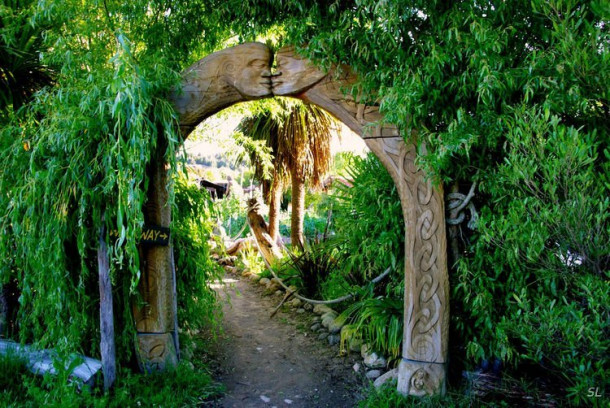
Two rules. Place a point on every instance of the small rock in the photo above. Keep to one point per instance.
(278, 293)
(372, 374)
(277, 281)
(246, 272)
(336, 325)
(328, 318)
(364, 350)
(264, 281)
(315, 326)
(296, 302)
(265, 399)
(292, 288)
(287, 401)
(321, 309)
(316, 319)
(308, 307)
(334, 339)
(322, 336)
(301, 310)
(254, 277)
(372, 360)
(356, 367)
(390, 375)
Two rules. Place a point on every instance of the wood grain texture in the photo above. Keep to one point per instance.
(107, 345)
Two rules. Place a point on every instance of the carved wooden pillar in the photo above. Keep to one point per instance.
(422, 370)
(155, 317)
(217, 81)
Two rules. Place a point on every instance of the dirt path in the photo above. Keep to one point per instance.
(277, 362)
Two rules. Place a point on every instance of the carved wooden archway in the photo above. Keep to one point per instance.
(243, 73)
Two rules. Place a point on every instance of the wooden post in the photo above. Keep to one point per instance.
(107, 346)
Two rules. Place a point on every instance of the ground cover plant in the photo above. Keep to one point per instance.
(182, 387)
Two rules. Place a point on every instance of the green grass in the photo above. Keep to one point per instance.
(182, 387)
(388, 397)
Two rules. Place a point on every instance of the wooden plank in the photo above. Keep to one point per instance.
(40, 362)
(107, 346)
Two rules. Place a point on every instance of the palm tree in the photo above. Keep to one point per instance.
(298, 135)
(265, 125)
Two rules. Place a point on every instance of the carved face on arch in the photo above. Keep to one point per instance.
(246, 68)
(251, 76)
(294, 75)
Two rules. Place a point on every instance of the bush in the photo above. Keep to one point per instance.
(369, 228)
(533, 287)
(312, 267)
(191, 229)
(367, 219)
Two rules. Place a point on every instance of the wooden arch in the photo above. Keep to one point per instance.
(243, 73)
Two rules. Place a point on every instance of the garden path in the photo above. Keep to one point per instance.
(277, 362)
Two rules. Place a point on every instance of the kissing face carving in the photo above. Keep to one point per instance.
(236, 74)
(239, 74)
(294, 74)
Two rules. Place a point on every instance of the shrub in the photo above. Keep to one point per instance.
(191, 229)
(533, 287)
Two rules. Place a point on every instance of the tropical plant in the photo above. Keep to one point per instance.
(298, 135)
(312, 267)
(367, 220)
(264, 126)
(379, 321)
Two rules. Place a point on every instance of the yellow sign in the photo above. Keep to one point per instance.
(151, 234)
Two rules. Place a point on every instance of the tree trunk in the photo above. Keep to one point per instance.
(275, 202)
(298, 211)
(268, 247)
(107, 347)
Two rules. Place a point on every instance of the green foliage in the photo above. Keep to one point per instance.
(22, 72)
(183, 387)
(367, 220)
(314, 265)
(251, 260)
(191, 230)
(379, 321)
(539, 271)
(369, 238)
(388, 397)
(76, 158)
(231, 212)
